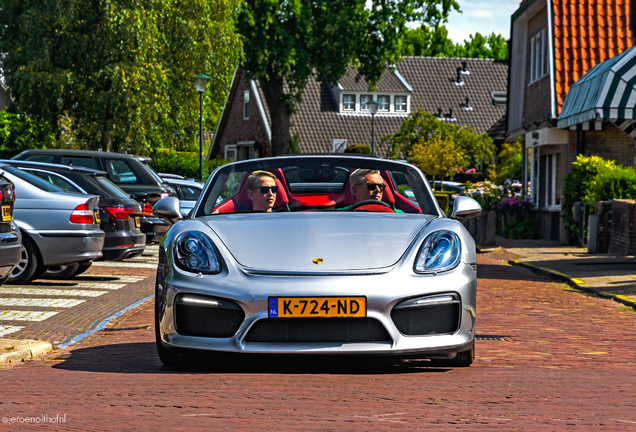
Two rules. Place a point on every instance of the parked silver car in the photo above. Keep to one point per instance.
(317, 255)
(58, 228)
(9, 236)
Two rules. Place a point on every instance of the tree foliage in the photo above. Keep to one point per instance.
(117, 74)
(438, 156)
(434, 42)
(288, 41)
(509, 162)
(421, 127)
(22, 133)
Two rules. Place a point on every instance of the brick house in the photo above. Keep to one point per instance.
(470, 92)
(553, 44)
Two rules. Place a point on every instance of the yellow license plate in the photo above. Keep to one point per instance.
(136, 221)
(317, 307)
(6, 213)
(97, 219)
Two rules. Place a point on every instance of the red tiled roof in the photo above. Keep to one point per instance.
(586, 32)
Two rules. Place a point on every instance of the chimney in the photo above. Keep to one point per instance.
(459, 81)
(439, 113)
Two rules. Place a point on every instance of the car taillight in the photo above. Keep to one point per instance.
(164, 195)
(146, 209)
(118, 212)
(82, 215)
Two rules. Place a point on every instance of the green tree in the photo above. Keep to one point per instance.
(418, 126)
(438, 156)
(509, 162)
(434, 42)
(117, 74)
(288, 41)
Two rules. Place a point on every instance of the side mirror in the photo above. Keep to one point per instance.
(464, 208)
(168, 208)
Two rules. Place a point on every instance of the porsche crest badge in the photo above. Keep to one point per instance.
(317, 261)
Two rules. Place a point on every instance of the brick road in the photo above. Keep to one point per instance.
(560, 360)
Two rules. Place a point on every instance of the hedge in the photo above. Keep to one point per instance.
(183, 163)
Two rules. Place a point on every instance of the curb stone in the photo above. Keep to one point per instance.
(14, 351)
(573, 282)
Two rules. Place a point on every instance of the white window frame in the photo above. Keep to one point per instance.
(538, 56)
(246, 105)
(383, 103)
(230, 152)
(364, 100)
(395, 103)
(345, 103)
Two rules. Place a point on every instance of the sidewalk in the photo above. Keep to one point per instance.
(606, 276)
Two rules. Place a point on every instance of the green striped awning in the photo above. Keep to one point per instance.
(607, 92)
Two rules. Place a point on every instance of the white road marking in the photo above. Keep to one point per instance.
(5, 330)
(99, 285)
(120, 278)
(56, 303)
(12, 315)
(51, 292)
(124, 264)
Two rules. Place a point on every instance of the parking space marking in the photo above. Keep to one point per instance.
(100, 285)
(12, 315)
(127, 279)
(31, 302)
(51, 292)
(5, 330)
(124, 264)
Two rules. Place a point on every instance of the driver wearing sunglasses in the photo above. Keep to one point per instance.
(262, 189)
(367, 184)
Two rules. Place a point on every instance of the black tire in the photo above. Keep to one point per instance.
(61, 271)
(464, 358)
(30, 266)
(81, 269)
(4, 279)
(170, 357)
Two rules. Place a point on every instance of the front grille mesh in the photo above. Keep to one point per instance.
(317, 330)
(427, 320)
(207, 321)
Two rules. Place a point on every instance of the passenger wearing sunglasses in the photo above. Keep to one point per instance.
(262, 189)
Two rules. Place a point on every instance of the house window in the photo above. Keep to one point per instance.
(553, 182)
(364, 102)
(349, 102)
(400, 103)
(538, 56)
(230, 153)
(385, 103)
(246, 105)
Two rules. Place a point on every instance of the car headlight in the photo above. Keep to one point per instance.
(441, 251)
(194, 252)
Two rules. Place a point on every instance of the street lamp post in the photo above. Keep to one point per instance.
(373, 108)
(200, 81)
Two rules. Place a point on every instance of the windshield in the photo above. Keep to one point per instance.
(309, 183)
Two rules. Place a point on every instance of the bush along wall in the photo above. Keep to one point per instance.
(183, 163)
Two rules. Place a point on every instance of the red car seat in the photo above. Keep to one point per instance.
(240, 201)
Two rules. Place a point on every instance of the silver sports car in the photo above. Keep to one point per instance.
(317, 255)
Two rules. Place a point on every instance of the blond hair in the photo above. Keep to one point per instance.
(255, 176)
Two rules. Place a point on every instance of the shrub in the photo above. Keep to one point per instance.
(513, 220)
(594, 179)
(358, 148)
(183, 163)
(486, 193)
(443, 198)
(18, 133)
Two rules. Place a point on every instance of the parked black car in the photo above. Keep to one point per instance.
(127, 171)
(119, 214)
(10, 247)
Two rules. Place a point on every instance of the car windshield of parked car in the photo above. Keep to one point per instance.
(311, 183)
(33, 180)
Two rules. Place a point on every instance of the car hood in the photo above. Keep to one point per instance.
(345, 241)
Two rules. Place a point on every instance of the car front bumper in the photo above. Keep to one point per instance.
(154, 228)
(251, 293)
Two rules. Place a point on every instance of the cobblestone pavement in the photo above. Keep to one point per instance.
(548, 359)
(57, 311)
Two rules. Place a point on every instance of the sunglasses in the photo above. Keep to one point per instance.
(372, 186)
(265, 189)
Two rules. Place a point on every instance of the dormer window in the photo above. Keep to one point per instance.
(385, 103)
(538, 56)
(400, 104)
(349, 102)
(364, 100)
